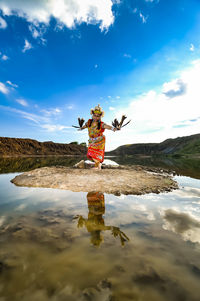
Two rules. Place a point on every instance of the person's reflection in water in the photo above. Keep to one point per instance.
(95, 221)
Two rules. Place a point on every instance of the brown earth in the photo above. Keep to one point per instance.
(119, 180)
(30, 147)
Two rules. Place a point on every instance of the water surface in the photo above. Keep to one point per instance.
(61, 245)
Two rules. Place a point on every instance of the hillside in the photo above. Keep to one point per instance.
(178, 146)
(30, 147)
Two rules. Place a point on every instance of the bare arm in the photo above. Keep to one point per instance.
(109, 127)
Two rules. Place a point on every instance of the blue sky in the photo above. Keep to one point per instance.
(60, 58)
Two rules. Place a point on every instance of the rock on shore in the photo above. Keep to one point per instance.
(117, 180)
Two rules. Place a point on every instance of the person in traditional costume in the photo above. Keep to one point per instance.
(96, 142)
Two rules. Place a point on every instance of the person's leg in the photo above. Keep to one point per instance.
(97, 164)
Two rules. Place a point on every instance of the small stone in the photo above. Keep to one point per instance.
(80, 164)
(104, 284)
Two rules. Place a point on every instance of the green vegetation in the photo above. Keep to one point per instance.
(188, 145)
(191, 148)
(83, 144)
(74, 142)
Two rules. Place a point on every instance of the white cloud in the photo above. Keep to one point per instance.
(157, 1)
(22, 102)
(192, 47)
(30, 116)
(66, 12)
(11, 84)
(55, 127)
(156, 116)
(51, 112)
(74, 36)
(35, 32)
(41, 121)
(174, 88)
(144, 19)
(27, 46)
(4, 57)
(38, 31)
(33, 117)
(127, 55)
(111, 108)
(3, 23)
(3, 88)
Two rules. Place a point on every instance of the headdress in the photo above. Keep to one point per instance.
(97, 110)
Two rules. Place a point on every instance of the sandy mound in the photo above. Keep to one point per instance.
(118, 180)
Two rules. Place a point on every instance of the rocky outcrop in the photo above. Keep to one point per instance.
(118, 180)
(30, 147)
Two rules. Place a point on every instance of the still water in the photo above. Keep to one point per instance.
(61, 245)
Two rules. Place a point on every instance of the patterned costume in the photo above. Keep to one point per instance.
(96, 142)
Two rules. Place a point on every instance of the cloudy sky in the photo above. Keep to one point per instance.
(60, 58)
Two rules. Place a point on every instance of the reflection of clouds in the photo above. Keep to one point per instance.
(141, 207)
(151, 216)
(192, 235)
(187, 182)
(193, 192)
(138, 207)
(190, 192)
(194, 209)
(129, 209)
(2, 220)
(122, 210)
(22, 197)
(21, 207)
(158, 266)
(183, 224)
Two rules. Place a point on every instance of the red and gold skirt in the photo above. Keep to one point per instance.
(96, 149)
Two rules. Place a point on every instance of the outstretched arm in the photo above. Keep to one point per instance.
(109, 127)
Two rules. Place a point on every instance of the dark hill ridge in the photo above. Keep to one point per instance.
(180, 146)
(30, 147)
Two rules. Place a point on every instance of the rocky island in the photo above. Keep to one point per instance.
(117, 180)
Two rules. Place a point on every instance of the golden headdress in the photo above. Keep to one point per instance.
(97, 110)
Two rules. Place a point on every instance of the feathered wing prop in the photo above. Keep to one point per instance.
(115, 123)
(80, 122)
(118, 125)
